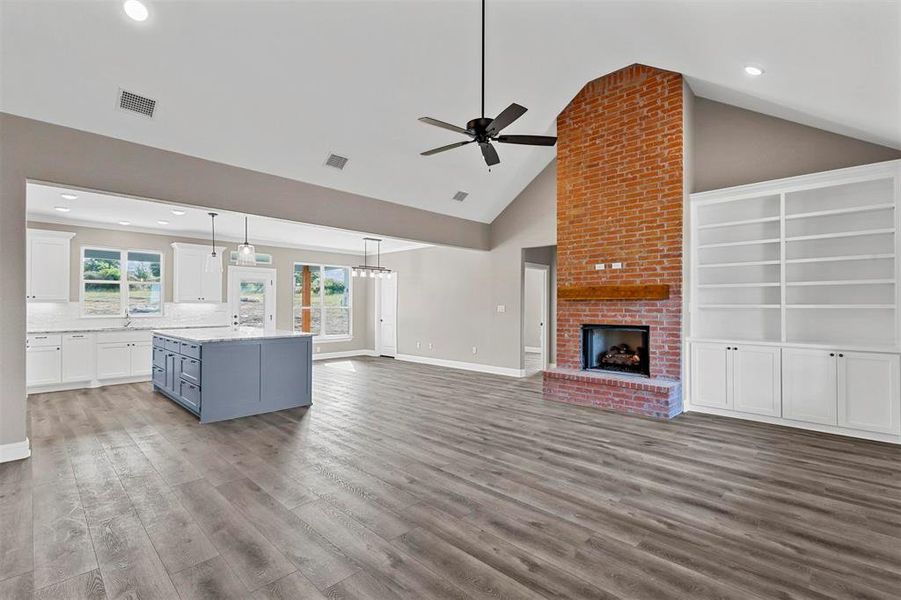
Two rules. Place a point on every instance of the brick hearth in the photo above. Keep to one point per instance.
(620, 193)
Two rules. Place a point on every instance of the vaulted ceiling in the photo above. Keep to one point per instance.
(277, 86)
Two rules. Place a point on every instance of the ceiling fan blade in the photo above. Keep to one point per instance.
(509, 114)
(443, 148)
(490, 154)
(531, 140)
(443, 125)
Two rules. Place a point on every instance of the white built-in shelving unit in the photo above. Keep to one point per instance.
(794, 281)
(807, 260)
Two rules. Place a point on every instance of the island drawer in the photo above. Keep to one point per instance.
(159, 376)
(190, 394)
(191, 349)
(159, 341)
(190, 369)
(172, 345)
(159, 357)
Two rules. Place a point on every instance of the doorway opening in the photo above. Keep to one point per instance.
(535, 317)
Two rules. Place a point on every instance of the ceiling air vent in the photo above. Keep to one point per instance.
(336, 161)
(137, 104)
(460, 196)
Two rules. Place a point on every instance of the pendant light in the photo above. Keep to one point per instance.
(372, 271)
(213, 263)
(247, 254)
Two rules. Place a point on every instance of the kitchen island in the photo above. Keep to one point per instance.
(220, 373)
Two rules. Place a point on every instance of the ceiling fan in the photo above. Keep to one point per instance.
(485, 130)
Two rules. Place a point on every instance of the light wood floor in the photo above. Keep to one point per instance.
(410, 481)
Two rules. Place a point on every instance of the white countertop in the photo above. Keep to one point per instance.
(228, 334)
(100, 328)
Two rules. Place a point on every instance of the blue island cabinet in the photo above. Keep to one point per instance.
(225, 373)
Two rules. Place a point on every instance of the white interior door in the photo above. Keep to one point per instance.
(536, 314)
(251, 297)
(386, 317)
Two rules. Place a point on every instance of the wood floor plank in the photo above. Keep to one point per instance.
(210, 580)
(20, 587)
(254, 559)
(291, 587)
(87, 586)
(16, 529)
(62, 543)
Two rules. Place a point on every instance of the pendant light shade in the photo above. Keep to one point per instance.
(371, 271)
(213, 262)
(247, 254)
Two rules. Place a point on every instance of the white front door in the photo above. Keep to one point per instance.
(251, 297)
(535, 316)
(386, 316)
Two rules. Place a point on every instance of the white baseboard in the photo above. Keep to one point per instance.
(82, 385)
(466, 366)
(532, 349)
(15, 451)
(343, 354)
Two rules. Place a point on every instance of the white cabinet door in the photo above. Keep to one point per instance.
(42, 366)
(77, 357)
(710, 376)
(193, 282)
(48, 268)
(809, 385)
(141, 358)
(113, 360)
(868, 392)
(756, 380)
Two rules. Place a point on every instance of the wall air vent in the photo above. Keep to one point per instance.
(137, 104)
(460, 196)
(336, 161)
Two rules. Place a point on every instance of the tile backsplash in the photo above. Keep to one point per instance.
(43, 316)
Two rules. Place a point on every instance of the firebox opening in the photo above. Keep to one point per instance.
(618, 348)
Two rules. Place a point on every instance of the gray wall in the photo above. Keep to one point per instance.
(449, 296)
(734, 146)
(283, 260)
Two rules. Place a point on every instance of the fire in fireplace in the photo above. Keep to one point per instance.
(621, 348)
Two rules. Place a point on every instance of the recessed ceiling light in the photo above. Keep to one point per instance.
(62, 208)
(124, 222)
(753, 70)
(135, 10)
(68, 196)
(177, 212)
(161, 222)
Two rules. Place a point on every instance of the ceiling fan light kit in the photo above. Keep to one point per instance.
(484, 130)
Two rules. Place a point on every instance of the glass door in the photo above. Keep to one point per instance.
(251, 297)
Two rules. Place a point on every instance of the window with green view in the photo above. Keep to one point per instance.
(108, 290)
(322, 300)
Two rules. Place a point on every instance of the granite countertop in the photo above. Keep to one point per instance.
(119, 328)
(228, 334)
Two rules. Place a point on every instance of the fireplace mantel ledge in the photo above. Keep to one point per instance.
(650, 384)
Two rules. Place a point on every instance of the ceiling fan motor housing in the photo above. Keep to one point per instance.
(479, 128)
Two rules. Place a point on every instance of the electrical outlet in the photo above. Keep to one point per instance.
(430, 345)
(475, 350)
(318, 349)
(418, 345)
(616, 265)
(501, 308)
(600, 267)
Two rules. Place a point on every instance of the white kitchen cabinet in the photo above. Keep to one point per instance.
(113, 360)
(710, 375)
(868, 391)
(192, 282)
(809, 385)
(738, 377)
(756, 378)
(141, 358)
(42, 365)
(77, 357)
(47, 265)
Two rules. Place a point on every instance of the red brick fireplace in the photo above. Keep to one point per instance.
(620, 194)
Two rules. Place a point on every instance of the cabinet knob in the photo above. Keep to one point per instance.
(832, 354)
(841, 355)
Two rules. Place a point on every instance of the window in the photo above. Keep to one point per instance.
(108, 290)
(322, 300)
